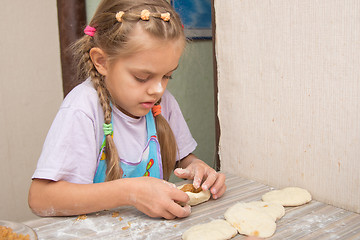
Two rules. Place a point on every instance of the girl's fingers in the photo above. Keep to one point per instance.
(168, 215)
(179, 211)
(199, 171)
(183, 173)
(180, 196)
(219, 184)
(198, 177)
(219, 192)
(191, 173)
(212, 176)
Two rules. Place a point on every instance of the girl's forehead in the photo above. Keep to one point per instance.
(168, 52)
(143, 40)
(143, 47)
(154, 58)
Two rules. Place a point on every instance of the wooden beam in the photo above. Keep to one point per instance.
(217, 125)
(72, 20)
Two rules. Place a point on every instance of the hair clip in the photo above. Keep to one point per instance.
(89, 31)
(145, 15)
(108, 130)
(119, 16)
(165, 16)
(156, 110)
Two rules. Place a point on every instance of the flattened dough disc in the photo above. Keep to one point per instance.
(290, 196)
(250, 221)
(215, 230)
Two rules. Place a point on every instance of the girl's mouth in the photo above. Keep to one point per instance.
(147, 104)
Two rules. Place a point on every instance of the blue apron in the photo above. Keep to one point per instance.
(150, 163)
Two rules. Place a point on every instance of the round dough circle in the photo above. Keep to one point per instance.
(290, 196)
(251, 221)
(218, 229)
(197, 198)
(274, 210)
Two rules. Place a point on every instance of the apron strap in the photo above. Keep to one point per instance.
(150, 125)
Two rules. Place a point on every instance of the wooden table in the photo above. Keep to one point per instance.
(314, 220)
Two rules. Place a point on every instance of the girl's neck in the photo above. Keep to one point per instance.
(125, 112)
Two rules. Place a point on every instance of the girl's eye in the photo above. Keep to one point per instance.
(167, 77)
(140, 79)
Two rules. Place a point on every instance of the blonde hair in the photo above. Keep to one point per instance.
(114, 38)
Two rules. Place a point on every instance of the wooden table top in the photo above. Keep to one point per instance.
(314, 220)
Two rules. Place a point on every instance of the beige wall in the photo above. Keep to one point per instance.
(289, 94)
(30, 94)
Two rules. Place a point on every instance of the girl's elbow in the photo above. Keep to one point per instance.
(37, 203)
(35, 206)
(40, 210)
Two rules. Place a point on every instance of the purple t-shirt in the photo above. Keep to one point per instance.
(72, 146)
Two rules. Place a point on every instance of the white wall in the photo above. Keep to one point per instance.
(289, 94)
(30, 95)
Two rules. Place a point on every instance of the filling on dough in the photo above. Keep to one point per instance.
(190, 188)
(196, 195)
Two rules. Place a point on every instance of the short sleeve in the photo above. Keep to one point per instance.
(70, 150)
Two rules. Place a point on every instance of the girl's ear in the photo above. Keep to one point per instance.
(99, 60)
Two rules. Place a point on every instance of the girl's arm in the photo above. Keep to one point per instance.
(152, 196)
(191, 167)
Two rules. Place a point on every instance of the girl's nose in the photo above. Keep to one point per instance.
(157, 87)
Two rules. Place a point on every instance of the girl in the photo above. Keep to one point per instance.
(112, 143)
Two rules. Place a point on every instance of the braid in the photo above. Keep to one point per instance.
(168, 146)
(86, 68)
(113, 170)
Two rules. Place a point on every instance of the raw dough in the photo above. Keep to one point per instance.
(197, 198)
(218, 229)
(274, 210)
(290, 196)
(251, 220)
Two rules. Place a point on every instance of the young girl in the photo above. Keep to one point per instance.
(120, 133)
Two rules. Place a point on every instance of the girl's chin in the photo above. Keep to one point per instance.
(137, 114)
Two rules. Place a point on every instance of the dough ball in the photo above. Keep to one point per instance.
(215, 230)
(197, 196)
(290, 196)
(250, 221)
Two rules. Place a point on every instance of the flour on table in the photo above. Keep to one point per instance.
(290, 196)
(251, 219)
(218, 229)
(196, 197)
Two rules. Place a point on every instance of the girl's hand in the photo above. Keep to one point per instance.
(200, 171)
(156, 198)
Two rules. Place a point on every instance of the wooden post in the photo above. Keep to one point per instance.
(72, 20)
